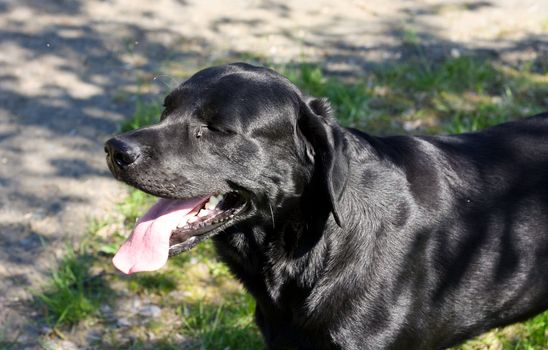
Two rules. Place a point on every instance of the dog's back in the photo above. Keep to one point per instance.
(473, 252)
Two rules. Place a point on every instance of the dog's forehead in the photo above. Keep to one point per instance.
(226, 83)
(237, 95)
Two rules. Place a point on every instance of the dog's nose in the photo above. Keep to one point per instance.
(121, 153)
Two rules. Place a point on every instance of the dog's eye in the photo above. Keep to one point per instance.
(212, 128)
(219, 130)
(200, 130)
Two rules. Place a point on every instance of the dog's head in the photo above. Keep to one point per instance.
(234, 143)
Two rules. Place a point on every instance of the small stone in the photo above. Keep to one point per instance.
(411, 125)
(94, 335)
(150, 311)
(123, 322)
(27, 242)
(136, 303)
(66, 345)
(105, 309)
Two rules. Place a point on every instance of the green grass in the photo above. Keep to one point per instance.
(160, 283)
(530, 335)
(350, 101)
(7, 341)
(452, 96)
(73, 293)
(145, 114)
(534, 334)
(205, 305)
(229, 324)
(132, 207)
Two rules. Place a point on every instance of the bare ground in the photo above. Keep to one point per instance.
(71, 70)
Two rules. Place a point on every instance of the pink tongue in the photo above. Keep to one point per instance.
(147, 248)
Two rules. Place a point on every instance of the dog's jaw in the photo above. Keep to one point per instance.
(173, 226)
(199, 228)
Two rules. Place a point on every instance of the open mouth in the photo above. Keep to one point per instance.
(217, 211)
(173, 226)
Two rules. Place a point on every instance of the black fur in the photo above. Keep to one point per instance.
(354, 241)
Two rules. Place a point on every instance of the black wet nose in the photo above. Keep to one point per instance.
(121, 153)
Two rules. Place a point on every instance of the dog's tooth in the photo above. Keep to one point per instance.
(203, 212)
(212, 203)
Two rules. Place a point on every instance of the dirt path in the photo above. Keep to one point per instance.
(71, 70)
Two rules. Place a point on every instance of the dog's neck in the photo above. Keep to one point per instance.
(280, 262)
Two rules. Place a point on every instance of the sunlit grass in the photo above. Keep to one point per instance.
(145, 114)
(73, 293)
(132, 207)
(228, 324)
(530, 335)
(452, 96)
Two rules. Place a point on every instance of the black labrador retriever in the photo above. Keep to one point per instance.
(345, 240)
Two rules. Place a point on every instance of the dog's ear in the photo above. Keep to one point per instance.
(325, 145)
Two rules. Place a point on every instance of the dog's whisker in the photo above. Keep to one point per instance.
(272, 214)
(173, 83)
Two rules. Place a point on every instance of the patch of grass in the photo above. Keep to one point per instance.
(7, 341)
(350, 101)
(529, 335)
(160, 283)
(534, 334)
(132, 207)
(452, 75)
(228, 325)
(451, 96)
(410, 36)
(160, 344)
(73, 293)
(145, 114)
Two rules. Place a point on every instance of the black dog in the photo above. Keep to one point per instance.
(346, 240)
